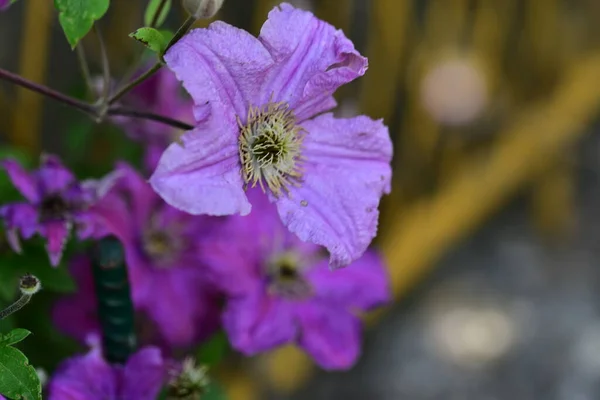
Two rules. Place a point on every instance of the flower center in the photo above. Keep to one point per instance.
(160, 246)
(53, 207)
(285, 278)
(270, 145)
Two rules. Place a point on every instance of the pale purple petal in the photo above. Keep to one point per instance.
(312, 60)
(56, 234)
(95, 189)
(258, 322)
(144, 375)
(25, 182)
(220, 64)
(331, 336)
(53, 176)
(86, 377)
(362, 285)
(203, 176)
(347, 170)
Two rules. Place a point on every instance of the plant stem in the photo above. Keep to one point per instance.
(105, 71)
(46, 91)
(123, 91)
(156, 15)
(85, 69)
(87, 108)
(181, 31)
(16, 306)
(149, 116)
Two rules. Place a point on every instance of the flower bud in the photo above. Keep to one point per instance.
(29, 285)
(202, 9)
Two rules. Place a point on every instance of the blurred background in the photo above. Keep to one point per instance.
(491, 232)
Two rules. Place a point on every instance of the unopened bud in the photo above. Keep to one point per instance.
(29, 285)
(202, 9)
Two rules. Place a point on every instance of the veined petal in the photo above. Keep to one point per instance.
(202, 176)
(25, 182)
(144, 375)
(258, 322)
(220, 64)
(362, 285)
(312, 59)
(56, 234)
(347, 170)
(331, 336)
(53, 176)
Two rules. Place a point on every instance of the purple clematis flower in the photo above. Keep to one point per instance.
(160, 94)
(281, 290)
(258, 104)
(90, 377)
(55, 203)
(166, 268)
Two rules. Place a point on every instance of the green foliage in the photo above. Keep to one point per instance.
(152, 9)
(152, 38)
(214, 350)
(18, 379)
(77, 17)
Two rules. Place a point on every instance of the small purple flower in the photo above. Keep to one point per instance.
(259, 104)
(90, 377)
(282, 291)
(55, 203)
(160, 94)
(166, 268)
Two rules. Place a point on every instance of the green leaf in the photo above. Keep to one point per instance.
(151, 11)
(213, 350)
(18, 379)
(77, 17)
(13, 337)
(151, 38)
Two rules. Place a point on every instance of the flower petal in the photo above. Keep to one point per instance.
(76, 314)
(141, 197)
(86, 377)
(25, 182)
(347, 170)
(362, 285)
(56, 234)
(220, 64)
(258, 322)
(203, 176)
(20, 219)
(53, 176)
(312, 60)
(330, 335)
(144, 375)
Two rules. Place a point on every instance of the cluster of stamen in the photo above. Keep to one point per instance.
(285, 278)
(53, 207)
(160, 245)
(270, 145)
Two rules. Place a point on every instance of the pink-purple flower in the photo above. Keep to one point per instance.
(280, 290)
(90, 377)
(56, 202)
(165, 263)
(258, 106)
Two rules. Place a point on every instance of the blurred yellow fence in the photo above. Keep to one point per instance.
(483, 98)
